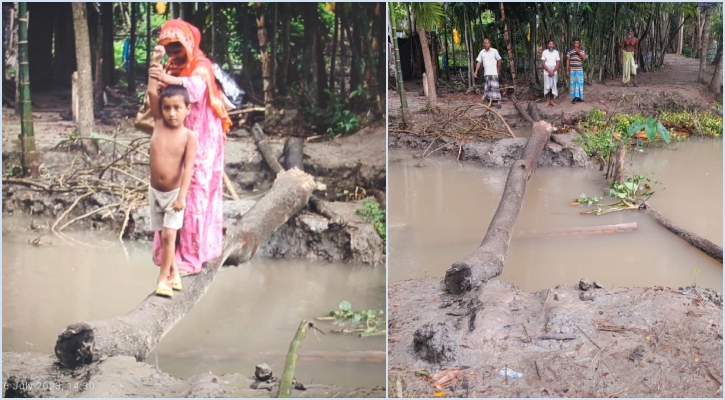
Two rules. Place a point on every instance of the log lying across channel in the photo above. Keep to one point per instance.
(580, 231)
(487, 261)
(139, 332)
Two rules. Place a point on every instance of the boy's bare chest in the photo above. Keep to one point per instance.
(170, 144)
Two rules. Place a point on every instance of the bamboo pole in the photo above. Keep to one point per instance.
(399, 72)
(30, 156)
(285, 384)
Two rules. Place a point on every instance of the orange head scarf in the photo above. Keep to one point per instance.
(177, 30)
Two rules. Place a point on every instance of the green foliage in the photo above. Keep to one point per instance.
(373, 214)
(371, 318)
(710, 124)
(336, 119)
(587, 201)
(604, 135)
(629, 195)
(636, 189)
(427, 14)
(652, 128)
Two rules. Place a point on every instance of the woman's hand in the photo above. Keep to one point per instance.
(157, 72)
(159, 52)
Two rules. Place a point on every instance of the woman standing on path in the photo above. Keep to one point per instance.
(200, 239)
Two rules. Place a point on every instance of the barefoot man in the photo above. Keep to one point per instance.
(491, 61)
(630, 45)
(550, 61)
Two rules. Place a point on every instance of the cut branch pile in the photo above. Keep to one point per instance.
(124, 178)
(463, 123)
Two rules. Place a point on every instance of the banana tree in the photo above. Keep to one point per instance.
(427, 17)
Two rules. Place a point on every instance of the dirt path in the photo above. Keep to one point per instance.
(673, 88)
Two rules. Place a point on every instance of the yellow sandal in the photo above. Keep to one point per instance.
(176, 282)
(164, 290)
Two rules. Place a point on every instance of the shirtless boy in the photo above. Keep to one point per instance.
(172, 152)
(630, 46)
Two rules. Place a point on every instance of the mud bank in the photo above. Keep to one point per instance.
(38, 375)
(306, 235)
(355, 160)
(565, 341)
(565, 152)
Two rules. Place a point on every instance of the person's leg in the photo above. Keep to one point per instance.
(168, 237)
(625, 68)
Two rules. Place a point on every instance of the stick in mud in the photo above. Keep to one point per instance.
(487, 261)
(285, 384)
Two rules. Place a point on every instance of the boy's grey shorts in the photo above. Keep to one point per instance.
(161, 215)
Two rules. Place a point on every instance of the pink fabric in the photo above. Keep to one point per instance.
(200, 239)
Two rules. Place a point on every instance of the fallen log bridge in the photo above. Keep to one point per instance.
(487, 261)
(140, 331)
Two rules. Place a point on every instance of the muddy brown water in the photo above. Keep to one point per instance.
(249, 315)
(439, 213)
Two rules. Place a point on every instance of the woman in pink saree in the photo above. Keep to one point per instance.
(200, 239)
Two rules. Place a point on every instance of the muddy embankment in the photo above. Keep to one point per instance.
(578, 340)
(343, 164)
(565, 152)
(36, 375)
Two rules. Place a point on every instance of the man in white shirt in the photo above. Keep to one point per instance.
(491, 61)
(550, 61)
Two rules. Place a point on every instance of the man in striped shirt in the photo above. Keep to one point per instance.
(574, 59)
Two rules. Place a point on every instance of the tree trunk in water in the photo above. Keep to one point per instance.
(285, 384)
(264, 52)
(139, 332)
(487, 261)
(618, 168)
(85, 80)
(507, 38)
(131, 73)
(716, 81)
(30, 155)
(580, 231)
(704, 44)
(399, 73)
(706, 246)
(430, 75)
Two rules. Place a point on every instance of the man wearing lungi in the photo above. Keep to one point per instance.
(630, 46)
(575, 58)
(491, 61)
(550, 61)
